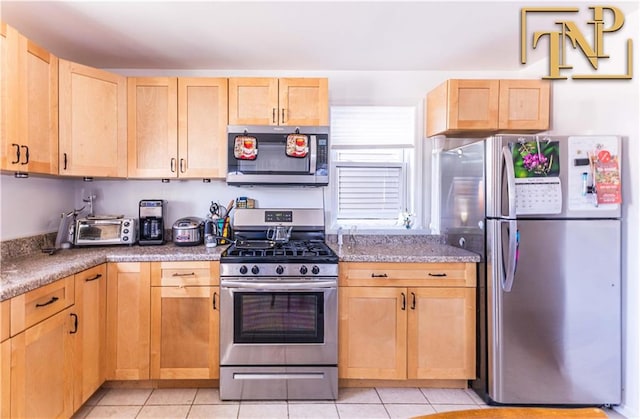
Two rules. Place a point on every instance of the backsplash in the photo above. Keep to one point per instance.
(24, 246)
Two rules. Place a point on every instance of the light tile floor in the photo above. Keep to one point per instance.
(353, 403)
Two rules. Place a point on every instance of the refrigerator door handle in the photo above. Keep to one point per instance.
(512, 258)
(511, 181)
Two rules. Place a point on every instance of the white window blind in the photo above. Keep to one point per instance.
(370, 190)
(372, 149)
(372, 126)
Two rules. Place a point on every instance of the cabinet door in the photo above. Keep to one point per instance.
(303, 101)
(128, 321)
(152, 127)
(441, 333)
(5, 379)
(473, 104)
(524, 105)
(202, 127)
(30, 94)
(41, 365)
(253, 101)
(93, 135)
(89, 340)
(373, 333)
(184, 332)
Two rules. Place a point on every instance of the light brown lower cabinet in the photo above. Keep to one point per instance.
(89, 340)
(128, 320)
(5, 379)
(41, 369)
(406, 332)
(185, 318)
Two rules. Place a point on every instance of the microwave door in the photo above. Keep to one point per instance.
(313, 154)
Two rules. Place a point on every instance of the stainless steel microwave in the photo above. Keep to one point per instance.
(277, 155)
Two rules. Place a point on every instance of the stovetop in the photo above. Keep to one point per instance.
(294, 251)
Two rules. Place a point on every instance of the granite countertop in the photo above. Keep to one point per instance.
(403, 252)
(25, 273)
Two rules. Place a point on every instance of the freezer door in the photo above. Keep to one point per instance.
(555, 336)
(500, 183)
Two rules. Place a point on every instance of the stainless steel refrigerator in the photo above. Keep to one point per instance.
(544, 214)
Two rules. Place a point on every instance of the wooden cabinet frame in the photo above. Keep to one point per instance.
(284, 101)
(407, 321)
(29, 80)
(468, 107)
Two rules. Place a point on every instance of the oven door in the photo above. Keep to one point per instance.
(281, 323)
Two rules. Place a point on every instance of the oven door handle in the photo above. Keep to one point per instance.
(277, 286)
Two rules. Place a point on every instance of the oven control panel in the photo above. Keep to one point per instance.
(289, 270)
(279, 216)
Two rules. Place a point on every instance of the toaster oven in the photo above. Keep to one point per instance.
(95, 231)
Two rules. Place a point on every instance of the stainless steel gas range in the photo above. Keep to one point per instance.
(279, 305)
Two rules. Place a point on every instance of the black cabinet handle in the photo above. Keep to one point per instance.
(26, 154)
(379, 276)
(404, 301)
(273, 115)
(98, 276)
(173, 165)
(64, 166)
(436, 275)
(413, 301)
(75, 323)
(189, 274)
(51, 301)
(17, 146)
(215, 294)
(282, 116)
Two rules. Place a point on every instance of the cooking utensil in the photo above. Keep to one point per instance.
(279, 234)
(188, 231)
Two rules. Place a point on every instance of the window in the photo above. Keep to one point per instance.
(372, 153)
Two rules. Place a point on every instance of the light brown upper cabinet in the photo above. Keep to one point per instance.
(93, 119)
(29, 80)
(484, 107)
(177, 127)
(284, 101)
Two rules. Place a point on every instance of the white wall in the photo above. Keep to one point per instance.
(33, 206)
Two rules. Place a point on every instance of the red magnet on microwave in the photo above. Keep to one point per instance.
(297, 145)
(245, 147)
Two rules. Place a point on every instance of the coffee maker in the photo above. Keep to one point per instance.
(151, 214)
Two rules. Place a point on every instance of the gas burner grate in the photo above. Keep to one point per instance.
(292, 249)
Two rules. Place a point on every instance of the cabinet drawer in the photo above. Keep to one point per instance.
(408, 274)
(185, 273)
(5, 322)
(34, 306)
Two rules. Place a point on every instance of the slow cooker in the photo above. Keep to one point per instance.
(188, 231)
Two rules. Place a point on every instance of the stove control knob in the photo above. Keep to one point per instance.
(303, 269)
(255, 270)
(279, 270)
(243, 270)
(315, 270)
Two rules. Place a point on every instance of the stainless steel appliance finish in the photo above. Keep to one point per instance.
(279, 302)
(271, 165)
(105, 230)
(549, 292)
(188, 231)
